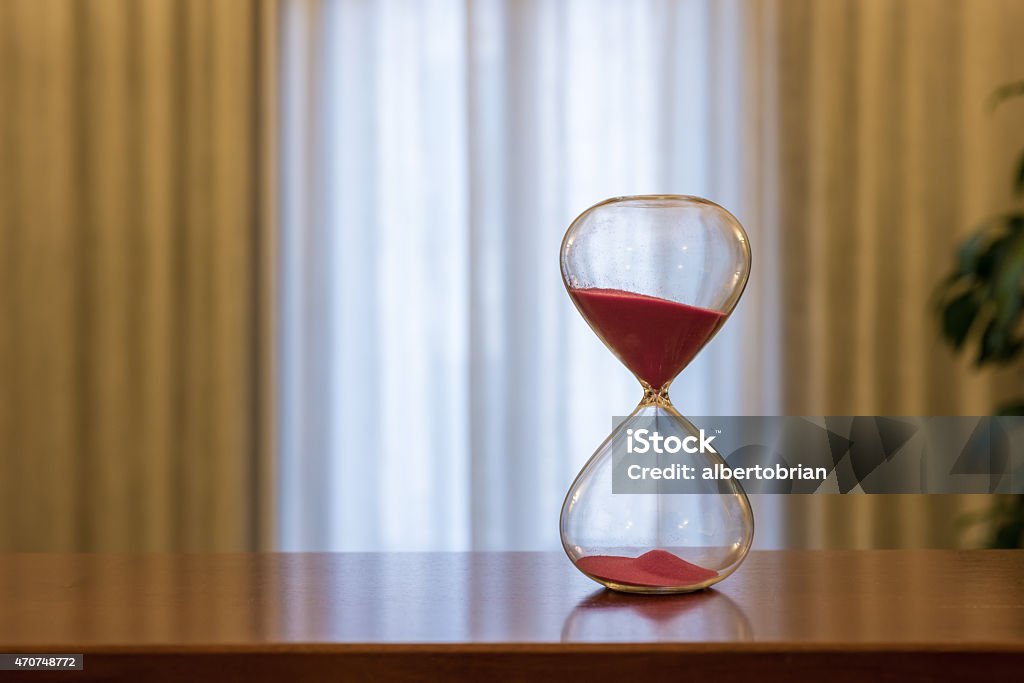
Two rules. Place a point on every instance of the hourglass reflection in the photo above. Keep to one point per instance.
(655, 277)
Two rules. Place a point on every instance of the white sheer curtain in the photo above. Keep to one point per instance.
(439, 390)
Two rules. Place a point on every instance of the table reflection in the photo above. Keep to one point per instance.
(706, 616)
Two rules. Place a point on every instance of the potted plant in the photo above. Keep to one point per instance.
(981, 310)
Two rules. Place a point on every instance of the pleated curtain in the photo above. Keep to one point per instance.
(133, 352)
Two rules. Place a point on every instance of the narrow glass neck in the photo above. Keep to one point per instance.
(655, 397)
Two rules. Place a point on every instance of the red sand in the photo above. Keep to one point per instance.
(656, 568)
(655, 338)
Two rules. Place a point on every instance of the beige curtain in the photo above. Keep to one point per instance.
(885, 157)
(133, 243)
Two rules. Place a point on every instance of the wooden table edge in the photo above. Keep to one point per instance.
(521, 648)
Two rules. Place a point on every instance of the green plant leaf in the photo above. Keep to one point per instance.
(970, 252)
(1008, 534)
(1015, 408)
(990, 257)
(997, 345)
(958, 317)
(1015, 221)
(1018, 182)
(985, 291)
(1003, 93)
(1007, 286)
(988, 344)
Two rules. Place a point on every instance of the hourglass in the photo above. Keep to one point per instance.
(655, 277)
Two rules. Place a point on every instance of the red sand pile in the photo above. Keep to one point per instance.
(655, 338)
(657, 568)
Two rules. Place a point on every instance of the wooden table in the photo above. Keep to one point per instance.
(792, 615)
